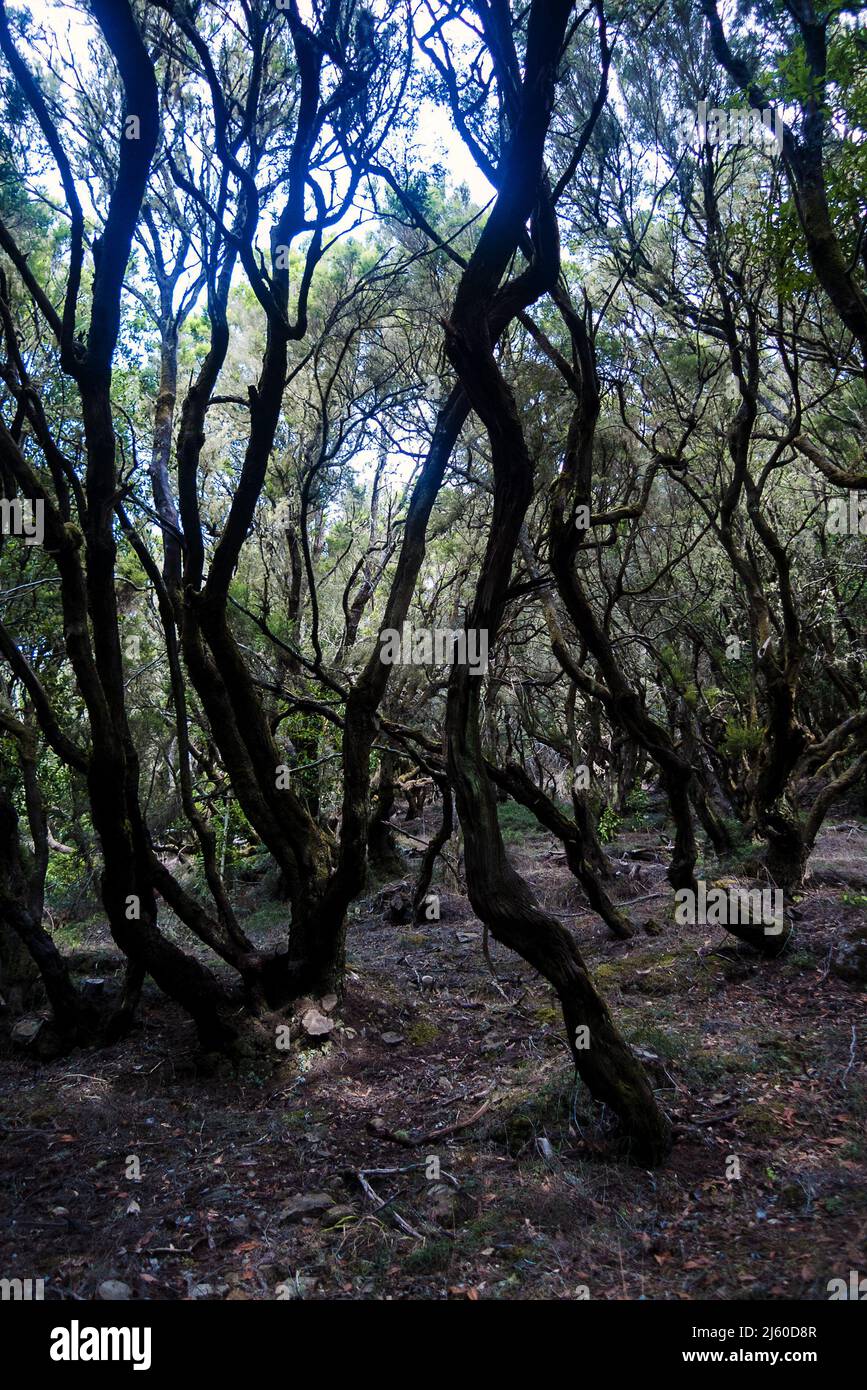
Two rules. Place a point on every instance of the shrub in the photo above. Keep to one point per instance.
(609, 824)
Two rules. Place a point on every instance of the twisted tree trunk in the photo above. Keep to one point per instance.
(499, 896)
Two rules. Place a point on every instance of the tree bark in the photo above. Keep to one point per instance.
(499, 896)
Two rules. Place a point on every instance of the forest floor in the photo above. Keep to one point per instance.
(762, 1065)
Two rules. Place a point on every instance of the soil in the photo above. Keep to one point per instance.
(178, 1176)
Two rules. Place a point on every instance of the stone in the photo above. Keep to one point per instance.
(849, 960)
(114, 1291)
(392, 1039)
(296, 1286)
(441, 1203)
(334, 1215)
(38, 1036)
(26, 1030)
(316, 1024)
(307, 1204)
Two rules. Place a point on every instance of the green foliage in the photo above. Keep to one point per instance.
(434, 1257)
(608, 826)
(516, 821)
(638, 806)
(742, 738)
(854, 899)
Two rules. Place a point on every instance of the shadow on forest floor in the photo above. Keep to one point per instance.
(761, 1064)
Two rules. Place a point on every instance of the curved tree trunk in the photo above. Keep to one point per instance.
(572, 834)
(500, 897)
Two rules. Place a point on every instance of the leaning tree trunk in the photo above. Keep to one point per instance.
(499, 896)
(586, 822)
(579, 847)
(623, 704)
